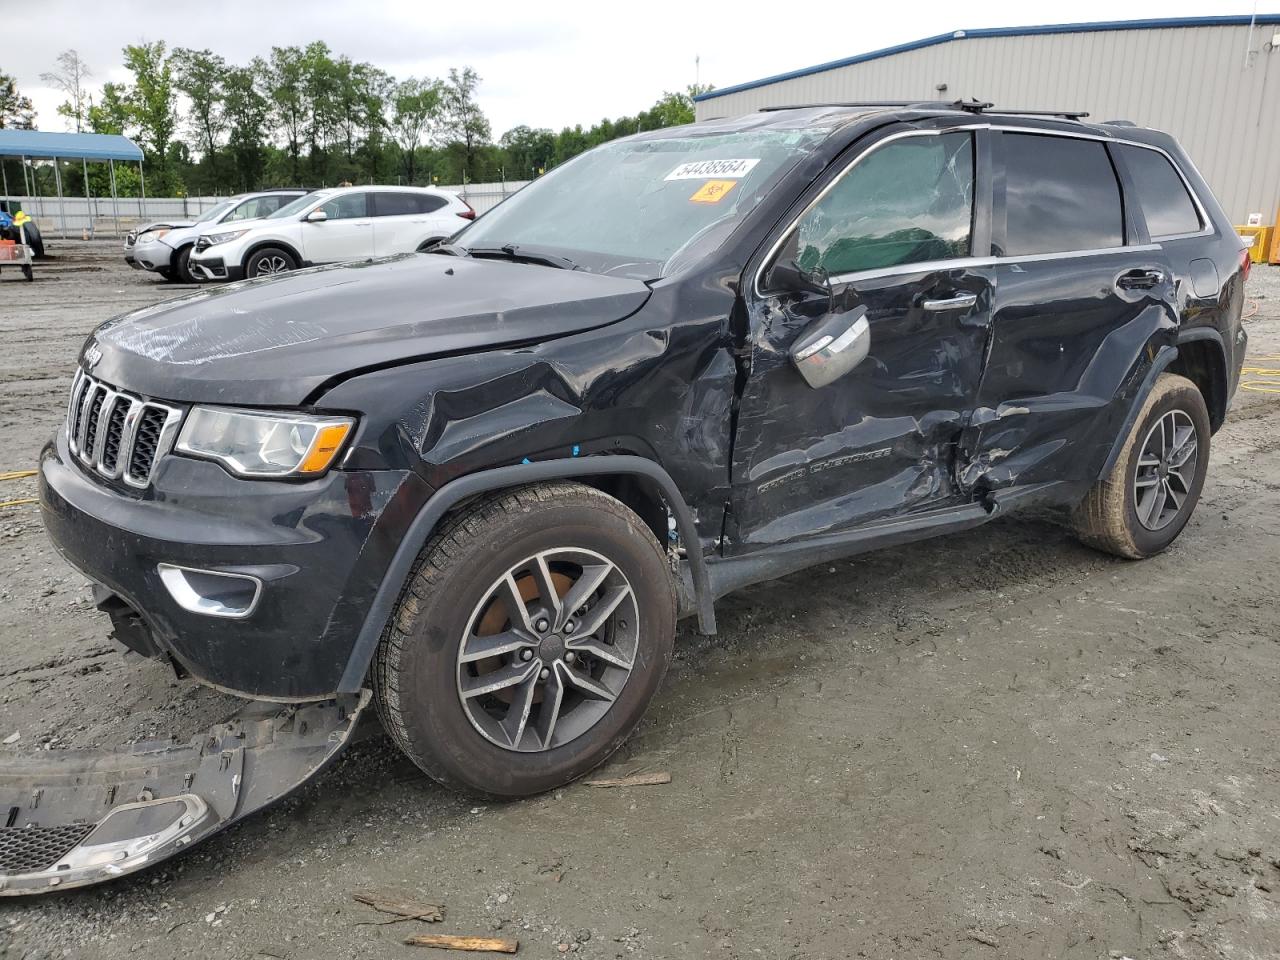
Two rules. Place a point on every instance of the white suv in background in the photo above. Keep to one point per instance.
(327, 226)
(165, 246)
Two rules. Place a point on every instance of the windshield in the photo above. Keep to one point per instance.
(213, 213)
(629, 207)
(297, 206)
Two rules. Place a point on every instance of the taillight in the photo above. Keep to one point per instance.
(469, 213)
(1246, 262)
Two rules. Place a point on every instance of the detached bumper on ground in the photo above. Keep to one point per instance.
(80, 817)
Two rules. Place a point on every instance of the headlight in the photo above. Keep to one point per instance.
(259, 444)
(153, 235)
(224, 237)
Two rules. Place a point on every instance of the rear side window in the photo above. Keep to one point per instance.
(906, 202)
(405, 204)
(1161, 193)
(1060, 195)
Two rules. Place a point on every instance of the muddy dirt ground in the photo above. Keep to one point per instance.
(996, 745)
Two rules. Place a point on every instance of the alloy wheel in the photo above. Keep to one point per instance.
(548, 649)
(1166, 470)
(268, 266)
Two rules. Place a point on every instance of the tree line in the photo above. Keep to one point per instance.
(301, 116)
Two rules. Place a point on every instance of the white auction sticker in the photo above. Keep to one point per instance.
(701, 169)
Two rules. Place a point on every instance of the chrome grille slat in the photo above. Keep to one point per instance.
(117, 434)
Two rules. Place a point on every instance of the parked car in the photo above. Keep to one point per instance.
(484, 482)
(164, 247)
(329, 226)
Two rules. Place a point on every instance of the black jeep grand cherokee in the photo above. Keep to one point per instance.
(487, 480)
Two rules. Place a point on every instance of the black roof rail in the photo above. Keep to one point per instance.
(968, 106)
(931, 104)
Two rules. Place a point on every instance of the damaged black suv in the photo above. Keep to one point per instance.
(485, 481)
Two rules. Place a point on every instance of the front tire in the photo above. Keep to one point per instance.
(1147, 497)
(182, 266)
(530, 639)
(268, 262)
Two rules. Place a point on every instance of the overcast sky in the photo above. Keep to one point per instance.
(547, 64)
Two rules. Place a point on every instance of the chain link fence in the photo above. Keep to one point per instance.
(103, 217)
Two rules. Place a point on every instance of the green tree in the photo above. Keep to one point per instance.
(417, 106)
(248, 115)
(376, 89)
(201, 75)
(464, 121)
(70, 78)
(111, 114)
(528, 151)
(153, 105)
(285, 88)
(16, 111)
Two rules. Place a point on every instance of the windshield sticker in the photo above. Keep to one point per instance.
(701, 169)
(713, 191)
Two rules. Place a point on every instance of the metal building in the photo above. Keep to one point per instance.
(1212, 82)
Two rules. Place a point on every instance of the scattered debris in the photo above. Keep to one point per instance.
(13, 737)
(981, 937)
(444, 941)
(635, 780)
(398, 905)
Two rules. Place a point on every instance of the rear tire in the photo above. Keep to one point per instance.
(475, 616)
(1147, 497)
(268, 262)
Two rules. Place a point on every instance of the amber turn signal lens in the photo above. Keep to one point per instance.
(324, 448)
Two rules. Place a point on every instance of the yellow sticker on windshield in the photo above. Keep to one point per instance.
(713, 191)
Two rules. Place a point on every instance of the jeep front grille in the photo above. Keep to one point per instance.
(119, 435)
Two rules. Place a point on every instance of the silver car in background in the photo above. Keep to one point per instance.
(164, 247)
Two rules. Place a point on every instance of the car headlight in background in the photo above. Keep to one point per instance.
(253, 443)
(152, 235)
(216, 238)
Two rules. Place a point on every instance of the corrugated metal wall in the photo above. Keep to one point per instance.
(1190, 81)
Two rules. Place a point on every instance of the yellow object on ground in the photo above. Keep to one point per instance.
(1259, 241)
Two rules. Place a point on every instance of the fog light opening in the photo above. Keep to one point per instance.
(211, 593)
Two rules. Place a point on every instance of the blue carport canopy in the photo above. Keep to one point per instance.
(67, 146)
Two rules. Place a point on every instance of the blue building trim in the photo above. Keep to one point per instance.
(1098, 27)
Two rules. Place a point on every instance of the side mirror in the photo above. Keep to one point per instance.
(832, 347)
(789, 275)
(316, 216)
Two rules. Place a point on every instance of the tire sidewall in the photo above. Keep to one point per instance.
(181, 267)
(1185, 397)
(429, 706)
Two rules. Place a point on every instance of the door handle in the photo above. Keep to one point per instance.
(1140, 279)
(961, 301)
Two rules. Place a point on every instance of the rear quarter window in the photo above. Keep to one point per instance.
(1061, 194)
(1161, 193)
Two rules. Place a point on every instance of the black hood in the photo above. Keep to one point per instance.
(275, 341)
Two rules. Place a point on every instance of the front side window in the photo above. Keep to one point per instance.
(1161, 194)
(908, 201)
(349, 206)
(254, 208)
(1061, 194)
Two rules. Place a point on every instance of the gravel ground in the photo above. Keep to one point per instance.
(995, 745)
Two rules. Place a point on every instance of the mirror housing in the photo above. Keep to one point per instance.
(316, 216)
(790, 276)
(832, 347)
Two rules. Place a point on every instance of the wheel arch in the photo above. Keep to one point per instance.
(636, 481)
(263, 244)
(177, 252)
(1202, 359)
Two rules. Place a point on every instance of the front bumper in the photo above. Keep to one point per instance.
(213, 268)
(319, 548)
(149, 256)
